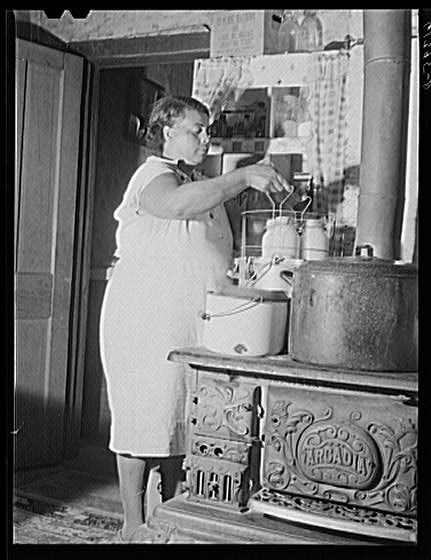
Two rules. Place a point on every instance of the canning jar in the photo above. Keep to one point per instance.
(310, 37)
(288, 34)
(280, 238)
(315, 241)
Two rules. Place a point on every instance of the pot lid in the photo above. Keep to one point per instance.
(360, 265)
(251, 293)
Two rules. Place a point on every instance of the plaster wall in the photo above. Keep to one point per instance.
(109, 24)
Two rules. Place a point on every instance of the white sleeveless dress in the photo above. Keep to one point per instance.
(151, 306)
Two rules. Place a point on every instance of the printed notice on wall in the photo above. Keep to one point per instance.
(239, 33)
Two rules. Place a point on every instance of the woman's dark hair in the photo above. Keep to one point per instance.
(164, 112)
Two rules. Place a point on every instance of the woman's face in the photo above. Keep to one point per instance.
(188, 138)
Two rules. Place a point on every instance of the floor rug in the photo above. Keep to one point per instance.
(40, 521)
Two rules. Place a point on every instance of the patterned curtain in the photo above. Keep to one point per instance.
(218, 80)
(328, 108)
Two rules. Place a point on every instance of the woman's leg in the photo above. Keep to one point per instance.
(172, 476)
(131, 471)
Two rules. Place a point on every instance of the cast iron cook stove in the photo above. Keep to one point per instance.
(329, 449)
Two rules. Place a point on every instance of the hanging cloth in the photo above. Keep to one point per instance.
(220, 80)
(328, 109)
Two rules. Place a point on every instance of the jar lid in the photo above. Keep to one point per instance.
(278, 220)
(314, 222)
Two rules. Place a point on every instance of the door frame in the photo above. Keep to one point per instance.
(82, 259)
(142, 51)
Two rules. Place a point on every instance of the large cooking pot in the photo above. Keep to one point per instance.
(358, 313)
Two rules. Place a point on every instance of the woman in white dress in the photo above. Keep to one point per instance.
(173, 244)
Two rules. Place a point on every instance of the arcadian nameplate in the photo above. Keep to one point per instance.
(343, 455)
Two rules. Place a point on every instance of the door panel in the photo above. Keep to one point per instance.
(31, 400)
(49, 87)
(33, 296)
(39, 184)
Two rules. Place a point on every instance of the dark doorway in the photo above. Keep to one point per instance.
(124, 92)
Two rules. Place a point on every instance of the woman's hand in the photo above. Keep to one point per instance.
(263, 177)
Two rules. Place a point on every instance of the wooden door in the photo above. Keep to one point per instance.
(48, 104)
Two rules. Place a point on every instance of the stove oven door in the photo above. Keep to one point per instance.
(340, 459)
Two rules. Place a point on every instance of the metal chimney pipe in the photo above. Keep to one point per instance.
(387, 36)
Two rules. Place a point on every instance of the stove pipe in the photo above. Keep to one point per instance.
(387, 36)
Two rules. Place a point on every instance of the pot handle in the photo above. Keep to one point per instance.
(365, 251)
(286, 278)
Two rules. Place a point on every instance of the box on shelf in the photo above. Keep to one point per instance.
(244, 32)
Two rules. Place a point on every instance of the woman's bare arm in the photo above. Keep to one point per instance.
(165, 198)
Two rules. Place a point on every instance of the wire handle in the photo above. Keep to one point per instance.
(259, 273)
(272, 203)
(280, 208)
(267, 161)
(284, 200)
(306, 207)
(206, 316)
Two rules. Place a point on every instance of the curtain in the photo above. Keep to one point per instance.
(219, 80)
(322, 106)
(327, 105)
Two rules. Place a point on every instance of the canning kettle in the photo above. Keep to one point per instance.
(358, 313)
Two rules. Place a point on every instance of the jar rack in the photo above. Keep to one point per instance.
(253, 227)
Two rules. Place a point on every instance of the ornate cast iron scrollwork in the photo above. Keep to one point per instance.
(217, 481)
(223, 460)
(361, 520)
(220, 449)
(225, 409)
(398, 486)
(341, 457)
